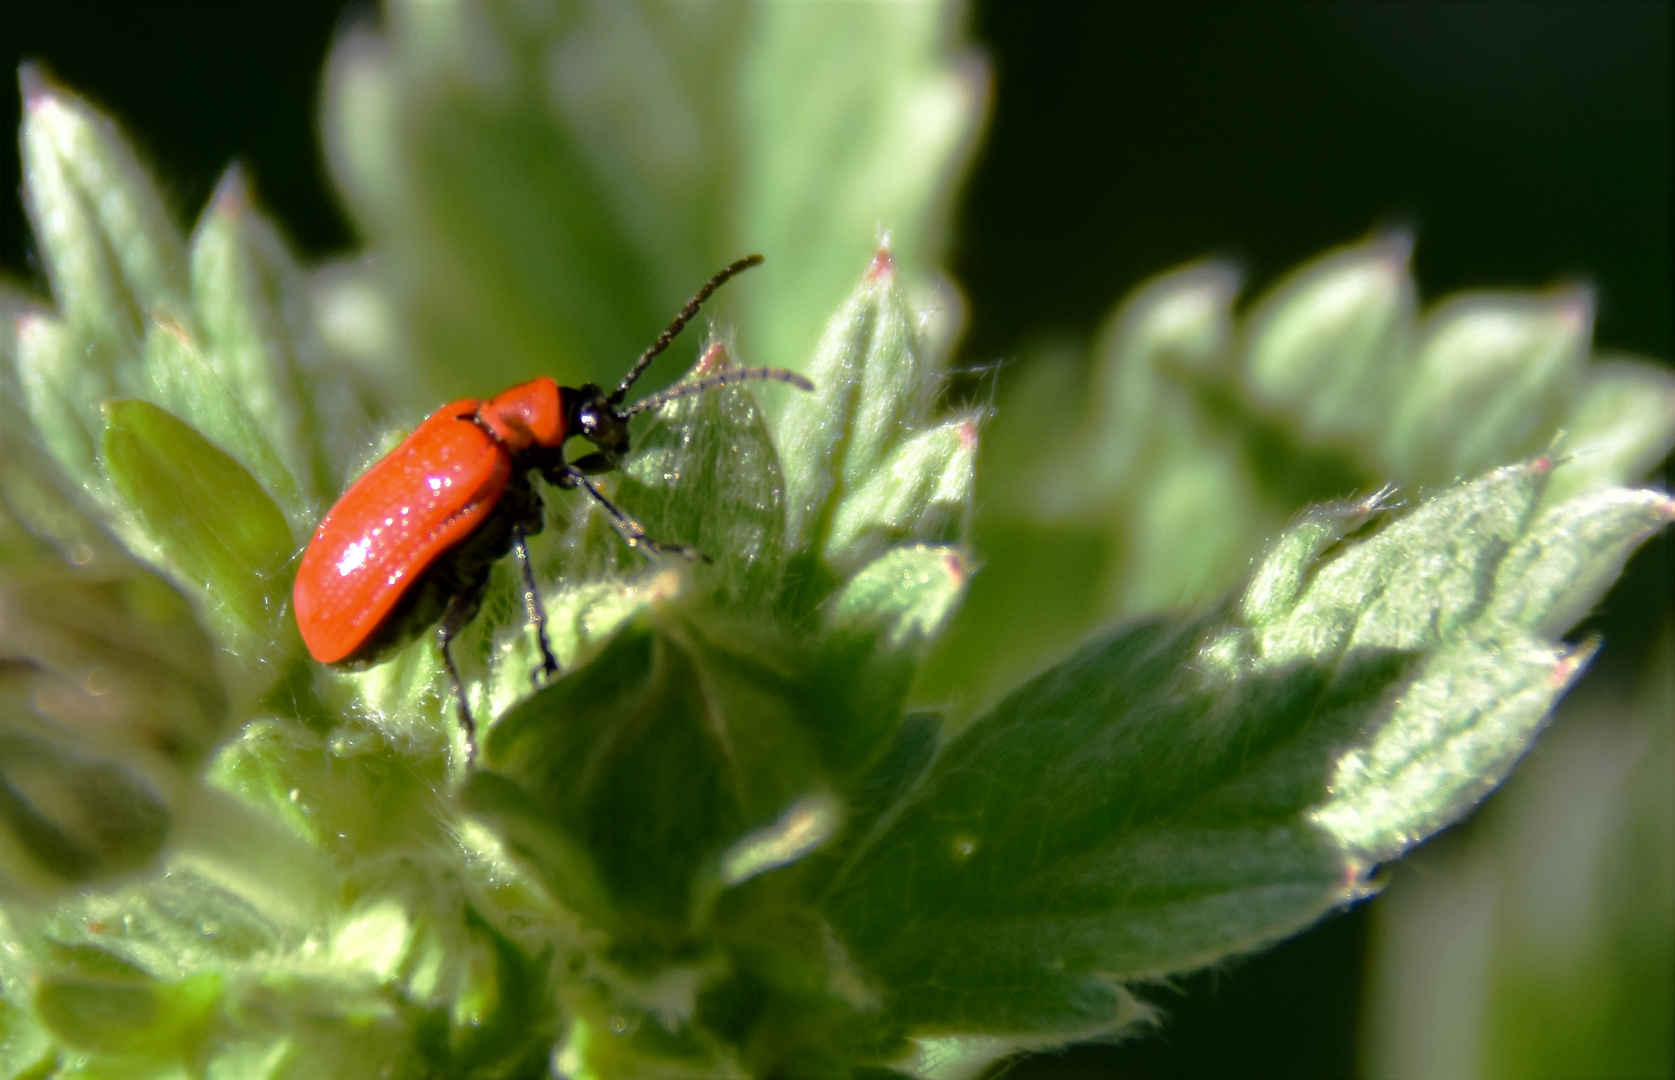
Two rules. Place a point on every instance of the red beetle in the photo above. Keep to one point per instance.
(412, 541)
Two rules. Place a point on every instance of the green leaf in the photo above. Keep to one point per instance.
(1179, 321)
(853, 470)
(61, 392)
(1472, 711)
(41, 513)
(110, 703)
(1538, 940)
(1327, 344)
(923, 489)
(639, 770)
(816, 426)
(548, 269)
(188, 386)
(706, 475)
(68, 817)
(1180, 791)
(555, 188)
(858, 117)
(1449, 549)
(27, 1051)
(1571, 555)
(1102, 823)
(1204, 433)
(350, 794)
(250, 297)
(1619, 427)
(721, 844)
(805, 826)
(1278, 581)
(254, 1060)
(879, 625)
(111, 252)
(905, 596)
(1105, 500)
(210, 519)
(128, 1017)
(582, 617)
(1492, 378)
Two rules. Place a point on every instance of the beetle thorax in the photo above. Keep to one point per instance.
(525, 416)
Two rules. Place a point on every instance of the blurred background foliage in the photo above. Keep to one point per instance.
(1525, 145)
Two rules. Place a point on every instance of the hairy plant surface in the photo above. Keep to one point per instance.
(796, 811)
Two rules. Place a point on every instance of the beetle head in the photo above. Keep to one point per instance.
(592, 416)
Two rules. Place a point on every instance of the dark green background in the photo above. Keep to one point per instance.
(1525, 143)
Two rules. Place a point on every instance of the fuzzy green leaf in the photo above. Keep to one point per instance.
(1539, 941)
(1279, 579)
(68, 817)
(1327, 343)
(556, 183)
(864, 461)
(477, 159)
(27, 1050)
(41, 511)
(1104, 822)
(111, 703)
(906, 594)
(128, 1017)
(1619, 427)
(1177, 792)
(186, 384)
(642, 768)
(210, 519)
(706, 475)
(1571, 555)
(61, 392)
(1449, 549)
(1490, 383)
(249, 296)
(112, 253)
(720, 843)
(923, 489)
(859, 116)
(1206, 432)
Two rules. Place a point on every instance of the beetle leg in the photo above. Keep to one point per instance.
(633, 533)
(532, 607)
(460, 609)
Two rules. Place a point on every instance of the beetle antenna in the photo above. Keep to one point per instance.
(679, 324)
(710, 382)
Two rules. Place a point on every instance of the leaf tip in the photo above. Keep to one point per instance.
(35, 84)
(883, 265)
(1394, 249)
(1573, 307)
(232, 193)
(959, 567)
(1570, 664)
(713, 360)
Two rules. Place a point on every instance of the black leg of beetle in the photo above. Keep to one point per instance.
(633, 533)
(532, 607)
(460, 610)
